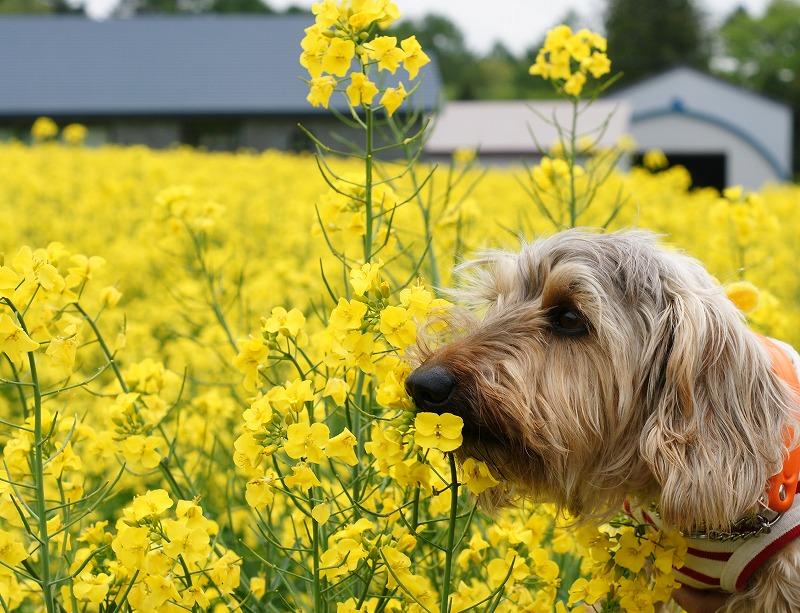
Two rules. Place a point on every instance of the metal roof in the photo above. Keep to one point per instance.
(519, 126)
(62, 65)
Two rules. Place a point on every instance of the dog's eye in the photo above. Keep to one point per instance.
(569, 322)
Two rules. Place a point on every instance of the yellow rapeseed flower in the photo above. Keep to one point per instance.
(321, 89)
(361, 90)
(393, 97)
(306, 441)
(414, 57)
(14, 342)
(442, 432)
(477, 476)
(744, 295)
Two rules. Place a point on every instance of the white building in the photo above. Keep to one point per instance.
(510, 131)
(723, 134)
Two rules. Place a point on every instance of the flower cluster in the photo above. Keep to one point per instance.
(628, 563)
(351, 29)
(567, 58)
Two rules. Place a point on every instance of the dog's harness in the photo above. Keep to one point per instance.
(726, 560)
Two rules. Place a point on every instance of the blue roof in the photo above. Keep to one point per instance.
(162, 65)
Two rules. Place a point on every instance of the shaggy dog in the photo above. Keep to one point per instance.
(604, 369)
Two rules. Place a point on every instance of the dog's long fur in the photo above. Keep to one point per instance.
(666, 397)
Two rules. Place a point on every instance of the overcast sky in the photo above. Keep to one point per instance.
(517, 23)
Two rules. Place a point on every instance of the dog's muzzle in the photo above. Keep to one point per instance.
(432, 387)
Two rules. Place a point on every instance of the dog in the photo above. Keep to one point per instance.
(594, 369)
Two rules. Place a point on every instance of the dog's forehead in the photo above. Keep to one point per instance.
(575, 261)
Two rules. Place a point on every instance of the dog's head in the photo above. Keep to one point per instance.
(598, 367)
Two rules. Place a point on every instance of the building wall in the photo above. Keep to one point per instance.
(765, 122)
(156, 133)
(680, 134)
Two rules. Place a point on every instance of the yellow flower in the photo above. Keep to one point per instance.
(110, 296)
(259, 414)
(62, 351)
(258, 586)
(397, 326)
(635, 596)
(314, 45)
(347, 315)
(442, 432)
(141, 451)
(226, 572)
(366, 278)
(341, 559)
(14, 342)
(327, 12)
(302, 476)
(414, 57)
(384, 50)
(574, 84)
(654, 159)
(287, 323)
(258, 492)
(321, 513)
(249, 361)
(477, 476)
(12, 552)
(74, 134)
(744, 295)
(340, 447)
(338, 57)
(337, 390)
(92, 587)
(195, 595)
(597, 64)
(131, 544)
(193, 544)
(361, 90)
(588, 592)
(44, 128)
(306, 441)
(386, 450)
(152, 504)
(360, 348)
(632, 552)
(393, 97)
(321, 89)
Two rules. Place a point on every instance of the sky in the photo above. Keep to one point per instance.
(519, 24)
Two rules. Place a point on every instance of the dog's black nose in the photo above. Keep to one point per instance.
(431, 387)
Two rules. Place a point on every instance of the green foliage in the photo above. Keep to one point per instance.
(763, 54)
(649, 36)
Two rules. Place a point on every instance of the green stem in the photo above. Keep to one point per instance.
(368, 160)
(451, 534)
(38, 478)
(318, 604)
(573, 205)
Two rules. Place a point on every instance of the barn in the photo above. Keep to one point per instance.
(221, 82)
(723, 134)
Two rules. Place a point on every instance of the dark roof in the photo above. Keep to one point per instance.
(161, 65)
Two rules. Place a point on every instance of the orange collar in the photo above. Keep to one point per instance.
(782, 487)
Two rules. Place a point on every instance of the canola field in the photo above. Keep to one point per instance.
(183, 310)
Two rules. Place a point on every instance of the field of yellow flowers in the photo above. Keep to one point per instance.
(202, 359)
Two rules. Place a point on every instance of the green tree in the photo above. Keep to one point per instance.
(457, 64)
(763, 55)
(649, 36)
(33, 7)
(140, 7)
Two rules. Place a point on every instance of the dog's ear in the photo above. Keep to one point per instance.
(719, 415)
